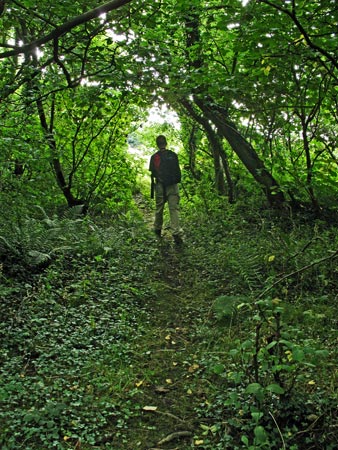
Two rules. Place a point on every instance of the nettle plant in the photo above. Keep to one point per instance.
(270, 378)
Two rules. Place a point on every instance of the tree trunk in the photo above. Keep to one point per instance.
(218, 116)
(219, 173)
(217, 151)
(231, 187)
(192, 146)
(56, 164)
(244, 151)
(309, 168)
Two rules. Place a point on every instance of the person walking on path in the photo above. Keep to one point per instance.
(165, 176)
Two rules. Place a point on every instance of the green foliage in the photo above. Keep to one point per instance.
(244, 305)
(268, 386)
(276, 85)
(31, 243)
(256, 288)
(270, 381)
(72, 334)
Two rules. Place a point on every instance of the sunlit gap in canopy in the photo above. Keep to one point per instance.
(158, 114)
(126, 36)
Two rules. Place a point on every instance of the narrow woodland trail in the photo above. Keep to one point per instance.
(170, 360)
(137, 343)
(106, 351)
(169, 386)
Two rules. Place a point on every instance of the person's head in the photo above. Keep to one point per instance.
(161, 142)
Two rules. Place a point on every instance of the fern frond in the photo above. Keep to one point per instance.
(248, 268)
(38, 258)
(9, 246)
(45, 215)
(227, 306)
(73, 213)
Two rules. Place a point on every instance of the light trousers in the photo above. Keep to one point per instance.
(171, 195)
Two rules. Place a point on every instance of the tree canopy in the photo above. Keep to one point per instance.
(256, 80)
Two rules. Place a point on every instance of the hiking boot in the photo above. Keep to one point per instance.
(178, 240)
(158, 233)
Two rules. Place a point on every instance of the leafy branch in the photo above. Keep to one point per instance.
(66, 27)
(305, 35)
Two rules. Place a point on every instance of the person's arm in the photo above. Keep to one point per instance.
(151, 169)
(152, 188)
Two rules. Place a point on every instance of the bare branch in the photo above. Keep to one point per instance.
(298, 271)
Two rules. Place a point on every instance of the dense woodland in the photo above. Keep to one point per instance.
(111, 338)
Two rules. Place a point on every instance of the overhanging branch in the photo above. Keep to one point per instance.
(66, 27)
(310, 42)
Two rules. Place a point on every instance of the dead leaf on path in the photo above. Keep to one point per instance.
(149, 408)
(161, 390)
(193, 368)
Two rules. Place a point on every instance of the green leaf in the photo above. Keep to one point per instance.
(298, 354)
(260, 435)
(257, 415)
(275, 388)
(245, 440)
(253, 388)
(218, 369)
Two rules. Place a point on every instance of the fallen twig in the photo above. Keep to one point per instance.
(156, 448)
(176, 435)
(164, 413)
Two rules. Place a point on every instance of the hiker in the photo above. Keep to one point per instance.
(165, 174)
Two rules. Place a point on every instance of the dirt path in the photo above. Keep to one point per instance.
(169, 387)
(168, 362)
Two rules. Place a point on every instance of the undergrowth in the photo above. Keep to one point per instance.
(68, 330)
(250, 297)
(268, 349)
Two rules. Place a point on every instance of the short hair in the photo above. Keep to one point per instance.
(161, 141)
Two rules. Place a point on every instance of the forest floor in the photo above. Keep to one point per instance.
(169, 388)
(130, 342)
(169, 391)
(102, 353)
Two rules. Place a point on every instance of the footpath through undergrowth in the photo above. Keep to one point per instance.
(99, 351)
(125, 341)
(169, 388)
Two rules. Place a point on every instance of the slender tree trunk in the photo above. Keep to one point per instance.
(309, 185)
(217, 150)
(219, 173)
(192, 146)
(218, 116)
(228, 176)
(48, 130)
(244, 151)
(56, 164)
